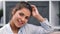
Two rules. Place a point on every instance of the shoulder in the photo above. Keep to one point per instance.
(3, 29)
(34, 28)
(31, 26)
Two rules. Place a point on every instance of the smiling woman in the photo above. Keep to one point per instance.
(20, 16)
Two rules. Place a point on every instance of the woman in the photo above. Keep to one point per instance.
(18, 23)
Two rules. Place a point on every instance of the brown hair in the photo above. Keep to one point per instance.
(22, 5)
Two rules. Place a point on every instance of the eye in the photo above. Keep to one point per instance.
(26, 17)
(21, 14)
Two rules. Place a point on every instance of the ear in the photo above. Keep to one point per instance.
(13, 11)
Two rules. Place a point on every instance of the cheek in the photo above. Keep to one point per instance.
(18, 16)
(26, 21)
(15, 17)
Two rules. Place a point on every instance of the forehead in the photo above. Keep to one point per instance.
(25, 11)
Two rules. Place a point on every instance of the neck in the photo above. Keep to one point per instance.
(13, 27)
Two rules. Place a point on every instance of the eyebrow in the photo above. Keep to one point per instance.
(22, 14)
(27, 17)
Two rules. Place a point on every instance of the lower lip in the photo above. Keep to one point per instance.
(20, 23)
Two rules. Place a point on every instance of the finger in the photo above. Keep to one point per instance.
(33, 7)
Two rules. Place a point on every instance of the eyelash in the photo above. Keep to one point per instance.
(26, 18)
(21, 14)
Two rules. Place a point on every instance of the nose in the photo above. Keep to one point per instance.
(23, 19)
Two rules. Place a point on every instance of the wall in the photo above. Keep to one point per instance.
(54, 12)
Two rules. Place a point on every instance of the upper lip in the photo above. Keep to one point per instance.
(20, 21)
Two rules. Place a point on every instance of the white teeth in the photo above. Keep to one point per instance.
(20, 21)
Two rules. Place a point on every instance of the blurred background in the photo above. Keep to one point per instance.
(1, 13)
(55, 14)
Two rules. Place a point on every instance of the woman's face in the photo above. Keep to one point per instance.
(21, 17)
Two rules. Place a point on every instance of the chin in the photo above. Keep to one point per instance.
(20, 26)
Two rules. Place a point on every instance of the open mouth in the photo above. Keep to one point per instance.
(20, 22)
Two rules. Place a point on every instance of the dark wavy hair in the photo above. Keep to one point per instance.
(21, 5)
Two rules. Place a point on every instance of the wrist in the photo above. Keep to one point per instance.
(40, 18)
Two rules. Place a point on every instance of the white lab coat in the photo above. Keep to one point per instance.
(45, 28)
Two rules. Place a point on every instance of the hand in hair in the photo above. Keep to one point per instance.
(36, 14)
